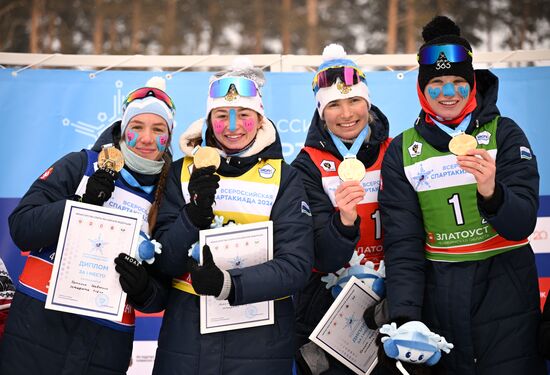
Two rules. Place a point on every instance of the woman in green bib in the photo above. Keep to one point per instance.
(459, 199)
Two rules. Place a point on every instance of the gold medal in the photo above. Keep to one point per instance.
(351, 169)
(110, 158)
(206, 157)
(462, 143)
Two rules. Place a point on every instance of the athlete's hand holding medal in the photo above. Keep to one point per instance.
(479, 163)
(203, 184)
(475, 161)
(351, 171)
(101, 184)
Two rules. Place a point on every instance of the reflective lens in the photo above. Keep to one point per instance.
(347, 75)
(144, 92)
(453, 52)
(244, 87)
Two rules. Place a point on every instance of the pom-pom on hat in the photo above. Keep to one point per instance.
(149, 101)
(441, 31)
(241, 91)
(338, 77)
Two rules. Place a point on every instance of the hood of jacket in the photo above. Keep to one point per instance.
(109, 135)
(486, 111)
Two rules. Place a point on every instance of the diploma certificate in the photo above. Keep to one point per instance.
(343, 333)
(84, 280)
(237, 246)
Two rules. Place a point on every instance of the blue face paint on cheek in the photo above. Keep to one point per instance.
(232, 120)
(131, 138)
(464, 91)
(449, 89)
(162, 140)
(434, 92)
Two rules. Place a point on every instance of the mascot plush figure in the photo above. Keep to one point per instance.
(147, 249)
(413, 343)
(375, 279)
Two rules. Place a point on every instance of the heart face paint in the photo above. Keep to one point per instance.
(162, 141)
(453, 96)
(131, 138)
(434, 92)
(464, 91)
(449, 90)
(218, 126)
(249, 124)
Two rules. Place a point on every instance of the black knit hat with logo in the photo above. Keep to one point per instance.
(442, 30)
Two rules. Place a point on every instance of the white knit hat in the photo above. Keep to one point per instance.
(242, 67)
(334, 56)
(149, 104)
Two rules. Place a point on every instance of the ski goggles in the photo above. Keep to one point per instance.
(243, 86)
(453, 52)
(347, 74)
(145, 92)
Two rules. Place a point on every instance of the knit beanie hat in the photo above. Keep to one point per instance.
(439, 32)
(338, 78)
(150, 102)
(224, 92)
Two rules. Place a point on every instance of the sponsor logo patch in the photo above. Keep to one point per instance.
(415, 149)
(483, 138)
(267, 171)
(328, 165)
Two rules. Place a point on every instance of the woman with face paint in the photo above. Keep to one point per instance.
(40, 341)
(459, 200)
(345, 127)
(252, 184)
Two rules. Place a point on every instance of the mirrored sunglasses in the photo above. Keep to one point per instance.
(243, 86)
(144, 92)
(453, 52)
(347, 75)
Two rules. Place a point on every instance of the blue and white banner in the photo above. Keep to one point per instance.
(48, 113)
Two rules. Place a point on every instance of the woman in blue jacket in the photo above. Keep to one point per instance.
(252, 165)
(345, 219)
(459, 200)
(40, 341)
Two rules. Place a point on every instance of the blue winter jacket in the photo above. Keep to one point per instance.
(488, 309)
(259, 350)
(58, 342)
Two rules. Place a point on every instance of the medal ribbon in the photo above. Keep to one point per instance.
(352, 152)
(461, 128)
(131, 180)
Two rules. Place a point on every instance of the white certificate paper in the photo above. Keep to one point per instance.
(237, 246)
(84, 280)
(343, 333)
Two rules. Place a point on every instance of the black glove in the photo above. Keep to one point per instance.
(202, 190)
(377, 315)
(208, 278)
(99, 187)
(134, 278)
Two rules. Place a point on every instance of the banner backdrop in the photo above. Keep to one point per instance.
(48, 113)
